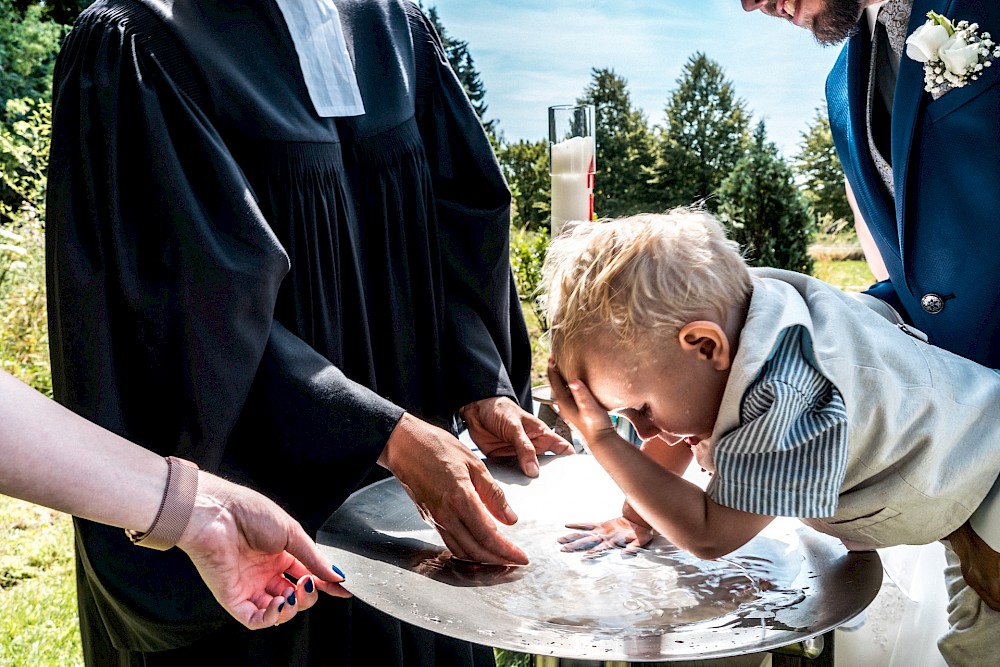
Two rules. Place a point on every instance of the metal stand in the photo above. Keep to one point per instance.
(549, 661)
(815, 652)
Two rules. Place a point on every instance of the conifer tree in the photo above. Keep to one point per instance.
(460, 59)
(822, 175)
(704, 136)
(625, 149)
(763, 209)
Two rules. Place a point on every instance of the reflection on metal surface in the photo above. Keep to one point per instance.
(810, 648)
(785, 586)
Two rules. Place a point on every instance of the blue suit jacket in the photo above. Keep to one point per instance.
(941, 235)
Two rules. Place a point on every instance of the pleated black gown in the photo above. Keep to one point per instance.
(238, 281)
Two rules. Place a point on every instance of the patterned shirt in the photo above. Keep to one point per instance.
(888, 22)
(789, 455)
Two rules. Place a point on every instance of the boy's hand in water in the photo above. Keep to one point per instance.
(599, 538)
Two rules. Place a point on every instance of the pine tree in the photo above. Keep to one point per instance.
(624, 146)
(460, 59)
(822, 175)
(763, 209)
(705, 135)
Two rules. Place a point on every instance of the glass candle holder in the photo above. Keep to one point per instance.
(572, 163)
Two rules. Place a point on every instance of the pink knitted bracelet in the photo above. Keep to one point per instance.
(175, 510)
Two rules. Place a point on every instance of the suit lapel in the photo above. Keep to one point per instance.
(910, 98)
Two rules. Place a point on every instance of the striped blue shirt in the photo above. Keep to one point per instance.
(788, 457)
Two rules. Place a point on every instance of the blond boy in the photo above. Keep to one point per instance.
(801, 401)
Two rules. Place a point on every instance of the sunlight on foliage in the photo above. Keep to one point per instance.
(24, 147)
(527, 252)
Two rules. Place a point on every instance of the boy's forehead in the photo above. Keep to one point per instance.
(606, 374)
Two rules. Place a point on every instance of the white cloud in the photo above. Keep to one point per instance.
(531, 54)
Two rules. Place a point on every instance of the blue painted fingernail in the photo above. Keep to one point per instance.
(280, 607)
(309, 585)
(291, 599)
(337, 570)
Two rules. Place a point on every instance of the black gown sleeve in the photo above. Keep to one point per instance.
(162, 280)
(164, 274)
(490, 354)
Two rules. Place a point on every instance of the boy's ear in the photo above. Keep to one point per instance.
(707, 341)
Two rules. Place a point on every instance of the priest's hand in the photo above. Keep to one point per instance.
(500, 427)
(980, 564)
(244, 545)
(453, 491)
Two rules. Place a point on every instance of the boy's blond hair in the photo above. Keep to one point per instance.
(640, 278)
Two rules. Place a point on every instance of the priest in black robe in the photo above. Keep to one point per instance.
(286, 298)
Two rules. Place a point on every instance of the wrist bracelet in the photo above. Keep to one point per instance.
(175, 510)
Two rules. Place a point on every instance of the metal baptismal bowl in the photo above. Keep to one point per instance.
(787, 585)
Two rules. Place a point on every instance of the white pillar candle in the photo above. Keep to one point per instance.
(572, 170)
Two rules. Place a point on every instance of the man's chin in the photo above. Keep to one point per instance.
(837, 39)
(840, 22)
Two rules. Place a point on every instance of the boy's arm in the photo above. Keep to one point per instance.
(630, 531)
(674, 458)
(678, 509)
(667, 456)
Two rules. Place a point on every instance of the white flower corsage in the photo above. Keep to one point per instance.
(952, 54)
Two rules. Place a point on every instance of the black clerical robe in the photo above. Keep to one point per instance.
(238, 281)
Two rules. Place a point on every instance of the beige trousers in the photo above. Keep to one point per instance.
(973, 634)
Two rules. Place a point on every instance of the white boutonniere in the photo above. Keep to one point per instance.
(952, 53)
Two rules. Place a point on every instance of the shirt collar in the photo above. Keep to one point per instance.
(327, 69)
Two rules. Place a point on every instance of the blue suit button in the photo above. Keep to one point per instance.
(932, 303)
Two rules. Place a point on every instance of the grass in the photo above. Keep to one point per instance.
(849, 275)
(38, 621)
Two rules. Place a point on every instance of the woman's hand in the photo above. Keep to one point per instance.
(244, 545)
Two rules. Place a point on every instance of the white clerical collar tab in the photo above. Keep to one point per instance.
(326, 65)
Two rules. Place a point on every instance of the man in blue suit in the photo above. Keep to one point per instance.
(924, 169)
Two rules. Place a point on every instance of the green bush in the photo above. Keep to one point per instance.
(23, 331)
(24, 147)
(29, 44)
(506, 658)
(525, 165)
(527, 252)
(24, 159)
(764, 211)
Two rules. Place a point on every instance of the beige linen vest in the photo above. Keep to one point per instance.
(924, 424)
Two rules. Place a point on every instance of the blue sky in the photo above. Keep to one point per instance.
(535, 53)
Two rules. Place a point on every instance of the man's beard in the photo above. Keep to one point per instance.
(837, 22)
